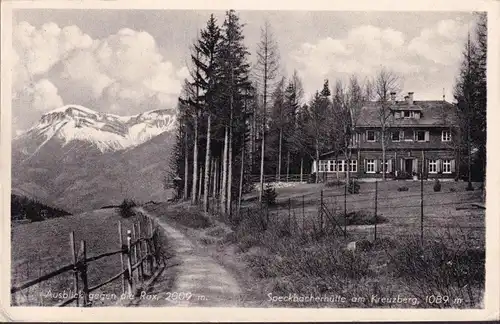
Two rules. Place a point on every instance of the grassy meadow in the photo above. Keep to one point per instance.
(42, 247)
(300, 260)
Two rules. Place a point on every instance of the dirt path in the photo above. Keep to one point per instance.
(200, 280)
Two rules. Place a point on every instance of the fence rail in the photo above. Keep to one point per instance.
(255, 178)
(141, 254)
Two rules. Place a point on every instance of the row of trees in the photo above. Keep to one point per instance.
(237, 120)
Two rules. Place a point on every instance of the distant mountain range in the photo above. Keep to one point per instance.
(79, 159)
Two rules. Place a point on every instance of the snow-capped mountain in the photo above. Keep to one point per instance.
(107, 132)
(80, 159)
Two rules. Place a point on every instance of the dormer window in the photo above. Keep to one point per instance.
(407, 114)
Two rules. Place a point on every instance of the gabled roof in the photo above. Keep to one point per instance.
(434, 113)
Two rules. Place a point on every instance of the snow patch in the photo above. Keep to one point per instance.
(108, 132)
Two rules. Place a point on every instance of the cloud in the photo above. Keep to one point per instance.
(366, 48)
(123, 72)
(362, 51)
(440, 44)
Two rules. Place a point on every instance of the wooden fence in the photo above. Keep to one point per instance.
(255, 178)
(141, 262)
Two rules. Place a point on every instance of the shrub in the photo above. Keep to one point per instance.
(126, 208)
(353, 187)
(447, 268)
(453, 189)
(363, 217)
(437, 185)
(335, 183)
(269, 195)
(403, 188)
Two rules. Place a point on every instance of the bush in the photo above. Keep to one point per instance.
(363, 217)
(448, 268)
(453, 189)
(335, 183)
(126, 208)
(437, 186)
(353, 187)
(403, 188)
(269, 195)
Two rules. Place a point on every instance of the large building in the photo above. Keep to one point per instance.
(416, 132)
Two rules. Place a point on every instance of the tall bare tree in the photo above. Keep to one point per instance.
(266, 71)
(385, 82)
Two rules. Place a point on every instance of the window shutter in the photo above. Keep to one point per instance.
(415, 165)
(365, 166)
(426, 136)
(401, 135)
(415, 135)
(314, 167)
(452, 166)
(389, 165)
(438, 165)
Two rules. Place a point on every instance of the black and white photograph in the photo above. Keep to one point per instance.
(243, 158)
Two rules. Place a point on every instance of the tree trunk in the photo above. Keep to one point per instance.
(186, 167)
(317, 161)
(301, 169)
(242, 170)
(200, 182)
(230, 171)
(288, 167)
(253, 139)
(224, 173)
(262, 168)
(215, 163)
(207, 167)
(278, 174)
(194, 188)
(383, 153)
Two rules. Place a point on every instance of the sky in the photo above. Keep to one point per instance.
(128, 61)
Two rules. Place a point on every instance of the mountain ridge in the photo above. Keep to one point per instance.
(107, 132)
(80, 173)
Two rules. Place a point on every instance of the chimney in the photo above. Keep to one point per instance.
(410, 98)
(393, 97)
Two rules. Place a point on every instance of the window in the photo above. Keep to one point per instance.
(370, 136)
(397, 115)
(370, 166)
(332, 166)
(340, 166)
(446, 166)
(353, 167)
(407, 114)
(420, 136)
(433, 166)
(323, 165)
(386, 166)
(354, 139)
(396, 136)
(446, 136)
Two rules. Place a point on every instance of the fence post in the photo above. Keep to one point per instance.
(303, 215)
(139, 246)
(75, 267)
(120, 234)
(321, 214)
(152, 260)
(376, 203)
(289, 215)
(83, 273)
(345, 208)
(129, 264)
(134, 247)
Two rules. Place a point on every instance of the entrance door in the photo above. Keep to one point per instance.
(409, 166)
